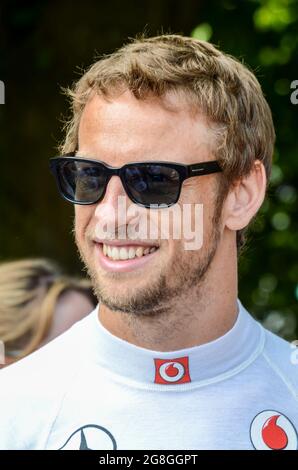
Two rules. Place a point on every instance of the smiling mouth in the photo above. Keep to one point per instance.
(126, 252)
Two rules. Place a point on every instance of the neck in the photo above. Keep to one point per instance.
(201, 315)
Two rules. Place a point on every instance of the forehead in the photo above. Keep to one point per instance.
(124, 129)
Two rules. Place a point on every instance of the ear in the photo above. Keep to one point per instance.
(245, 198)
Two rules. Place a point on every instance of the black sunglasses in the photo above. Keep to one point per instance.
(83, 181)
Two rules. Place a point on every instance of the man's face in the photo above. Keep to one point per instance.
(124, 130)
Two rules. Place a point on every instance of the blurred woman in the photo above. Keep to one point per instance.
(38, 303)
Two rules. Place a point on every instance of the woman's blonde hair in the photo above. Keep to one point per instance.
(213, 82)
(29, 290)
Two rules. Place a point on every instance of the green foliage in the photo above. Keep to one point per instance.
(268, 42)
(203, 32)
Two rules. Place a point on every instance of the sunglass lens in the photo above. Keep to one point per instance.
(81, 182)
(152, 184)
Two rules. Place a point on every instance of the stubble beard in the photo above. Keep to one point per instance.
(182, 276)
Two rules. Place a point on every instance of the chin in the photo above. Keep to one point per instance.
(120, 291)
(130, 296)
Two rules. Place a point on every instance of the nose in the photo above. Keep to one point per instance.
(114, 190)
(111, 213)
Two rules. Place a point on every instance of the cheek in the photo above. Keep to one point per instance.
(83, 216)
(197, 226)
(174, 250)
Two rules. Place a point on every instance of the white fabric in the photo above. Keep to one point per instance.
(89, 388)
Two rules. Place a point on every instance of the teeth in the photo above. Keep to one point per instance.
(139, 252)
(115, 253)
(123, 253)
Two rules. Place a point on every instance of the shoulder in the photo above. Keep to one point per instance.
(31, 389)
(282, 358)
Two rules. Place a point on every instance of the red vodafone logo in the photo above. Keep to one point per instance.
(271, 430)
(171, 371)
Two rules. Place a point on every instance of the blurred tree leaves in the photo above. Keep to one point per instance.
(268, 42)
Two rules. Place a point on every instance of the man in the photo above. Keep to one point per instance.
(170, 359)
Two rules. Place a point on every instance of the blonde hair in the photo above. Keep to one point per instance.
(29, 290)
(213, 82)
